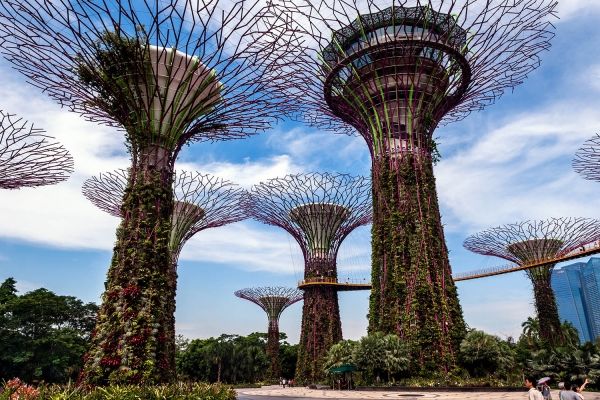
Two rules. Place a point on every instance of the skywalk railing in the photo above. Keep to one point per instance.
(327, 279)
(583, 251)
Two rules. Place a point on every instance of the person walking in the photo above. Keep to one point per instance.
(546, 392)
(533, 393)
(561, 386)
(569, 394)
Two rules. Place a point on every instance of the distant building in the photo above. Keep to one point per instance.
(577, 291)
(569, 290)
(591, 284)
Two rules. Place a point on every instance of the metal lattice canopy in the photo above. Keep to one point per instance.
(534, 241)
(167, 72)
(318, 209)
(27, 158)
(587, 159)
(202, 201)
(395, 69)
(274, 300)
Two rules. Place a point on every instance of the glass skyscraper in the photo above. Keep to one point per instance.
(591, 284)
(570, 298)
(577, 291)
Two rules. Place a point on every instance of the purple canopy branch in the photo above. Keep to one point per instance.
(27, 158)
(587, 159)
(532, 242)
(202, 201)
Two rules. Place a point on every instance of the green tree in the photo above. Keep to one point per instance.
(8, 290)
(531, 330)
(369, 354)
(43, 336)
(570, 334)
(340, 353)
(397, 358)
(480, 353)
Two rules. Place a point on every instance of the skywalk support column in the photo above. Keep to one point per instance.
(392, 83)
(535, 242)
(319, 211)
(393, 74)
(413, 293)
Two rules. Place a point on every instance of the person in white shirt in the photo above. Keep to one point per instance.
(533, 393)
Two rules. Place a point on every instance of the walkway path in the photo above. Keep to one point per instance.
(275, 392)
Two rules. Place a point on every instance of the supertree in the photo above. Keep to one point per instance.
(393, 71)
(27, 158)
(319, 210)
(202, 201)
(587, 159)
(274, 300)
(532, 242)
(167, 73)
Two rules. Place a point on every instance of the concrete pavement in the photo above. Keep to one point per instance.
(278, 393)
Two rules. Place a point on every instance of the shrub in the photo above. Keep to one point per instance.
(178, 391)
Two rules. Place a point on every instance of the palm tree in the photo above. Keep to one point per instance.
(396, 355)
(338, 354)
(257, 361)
(369, 354)
(481, 351)
(531, 330)
(570, 334)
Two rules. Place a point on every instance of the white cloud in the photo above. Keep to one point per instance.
(569, 9)
(520, 171)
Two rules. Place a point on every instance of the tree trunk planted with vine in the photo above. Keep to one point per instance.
(413, 293)
(321, 323)
(545, 305)
(134, 339)
(273, 349)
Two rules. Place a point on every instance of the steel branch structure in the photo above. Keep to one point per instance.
(319, 210)
(393, 71)
(533, 242)
(274, 300)
(167, 73)
(27, 158)
(587, 159)
(202, 201)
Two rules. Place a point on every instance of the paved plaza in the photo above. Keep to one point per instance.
(304, 393)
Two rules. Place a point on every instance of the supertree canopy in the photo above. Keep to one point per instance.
(274, 300)
(319, 210)
(27, 158)
(534, 242)
(201, 201)
(587, 159)
(392, 71)
(168, 73)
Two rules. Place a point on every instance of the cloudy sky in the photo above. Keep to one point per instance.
(509, 163)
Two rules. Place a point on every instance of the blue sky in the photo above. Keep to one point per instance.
(509, 163)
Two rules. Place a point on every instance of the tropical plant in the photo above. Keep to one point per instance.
(43, 336)
(570, 334)
(338, 354)
(396, 355)
(369, 354)
(480, 353)
(531, 330)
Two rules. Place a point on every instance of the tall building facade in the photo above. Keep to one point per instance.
(591, 285)
(577, 291)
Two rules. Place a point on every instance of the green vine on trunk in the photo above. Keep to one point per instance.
(133, 342)
(413, 293)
